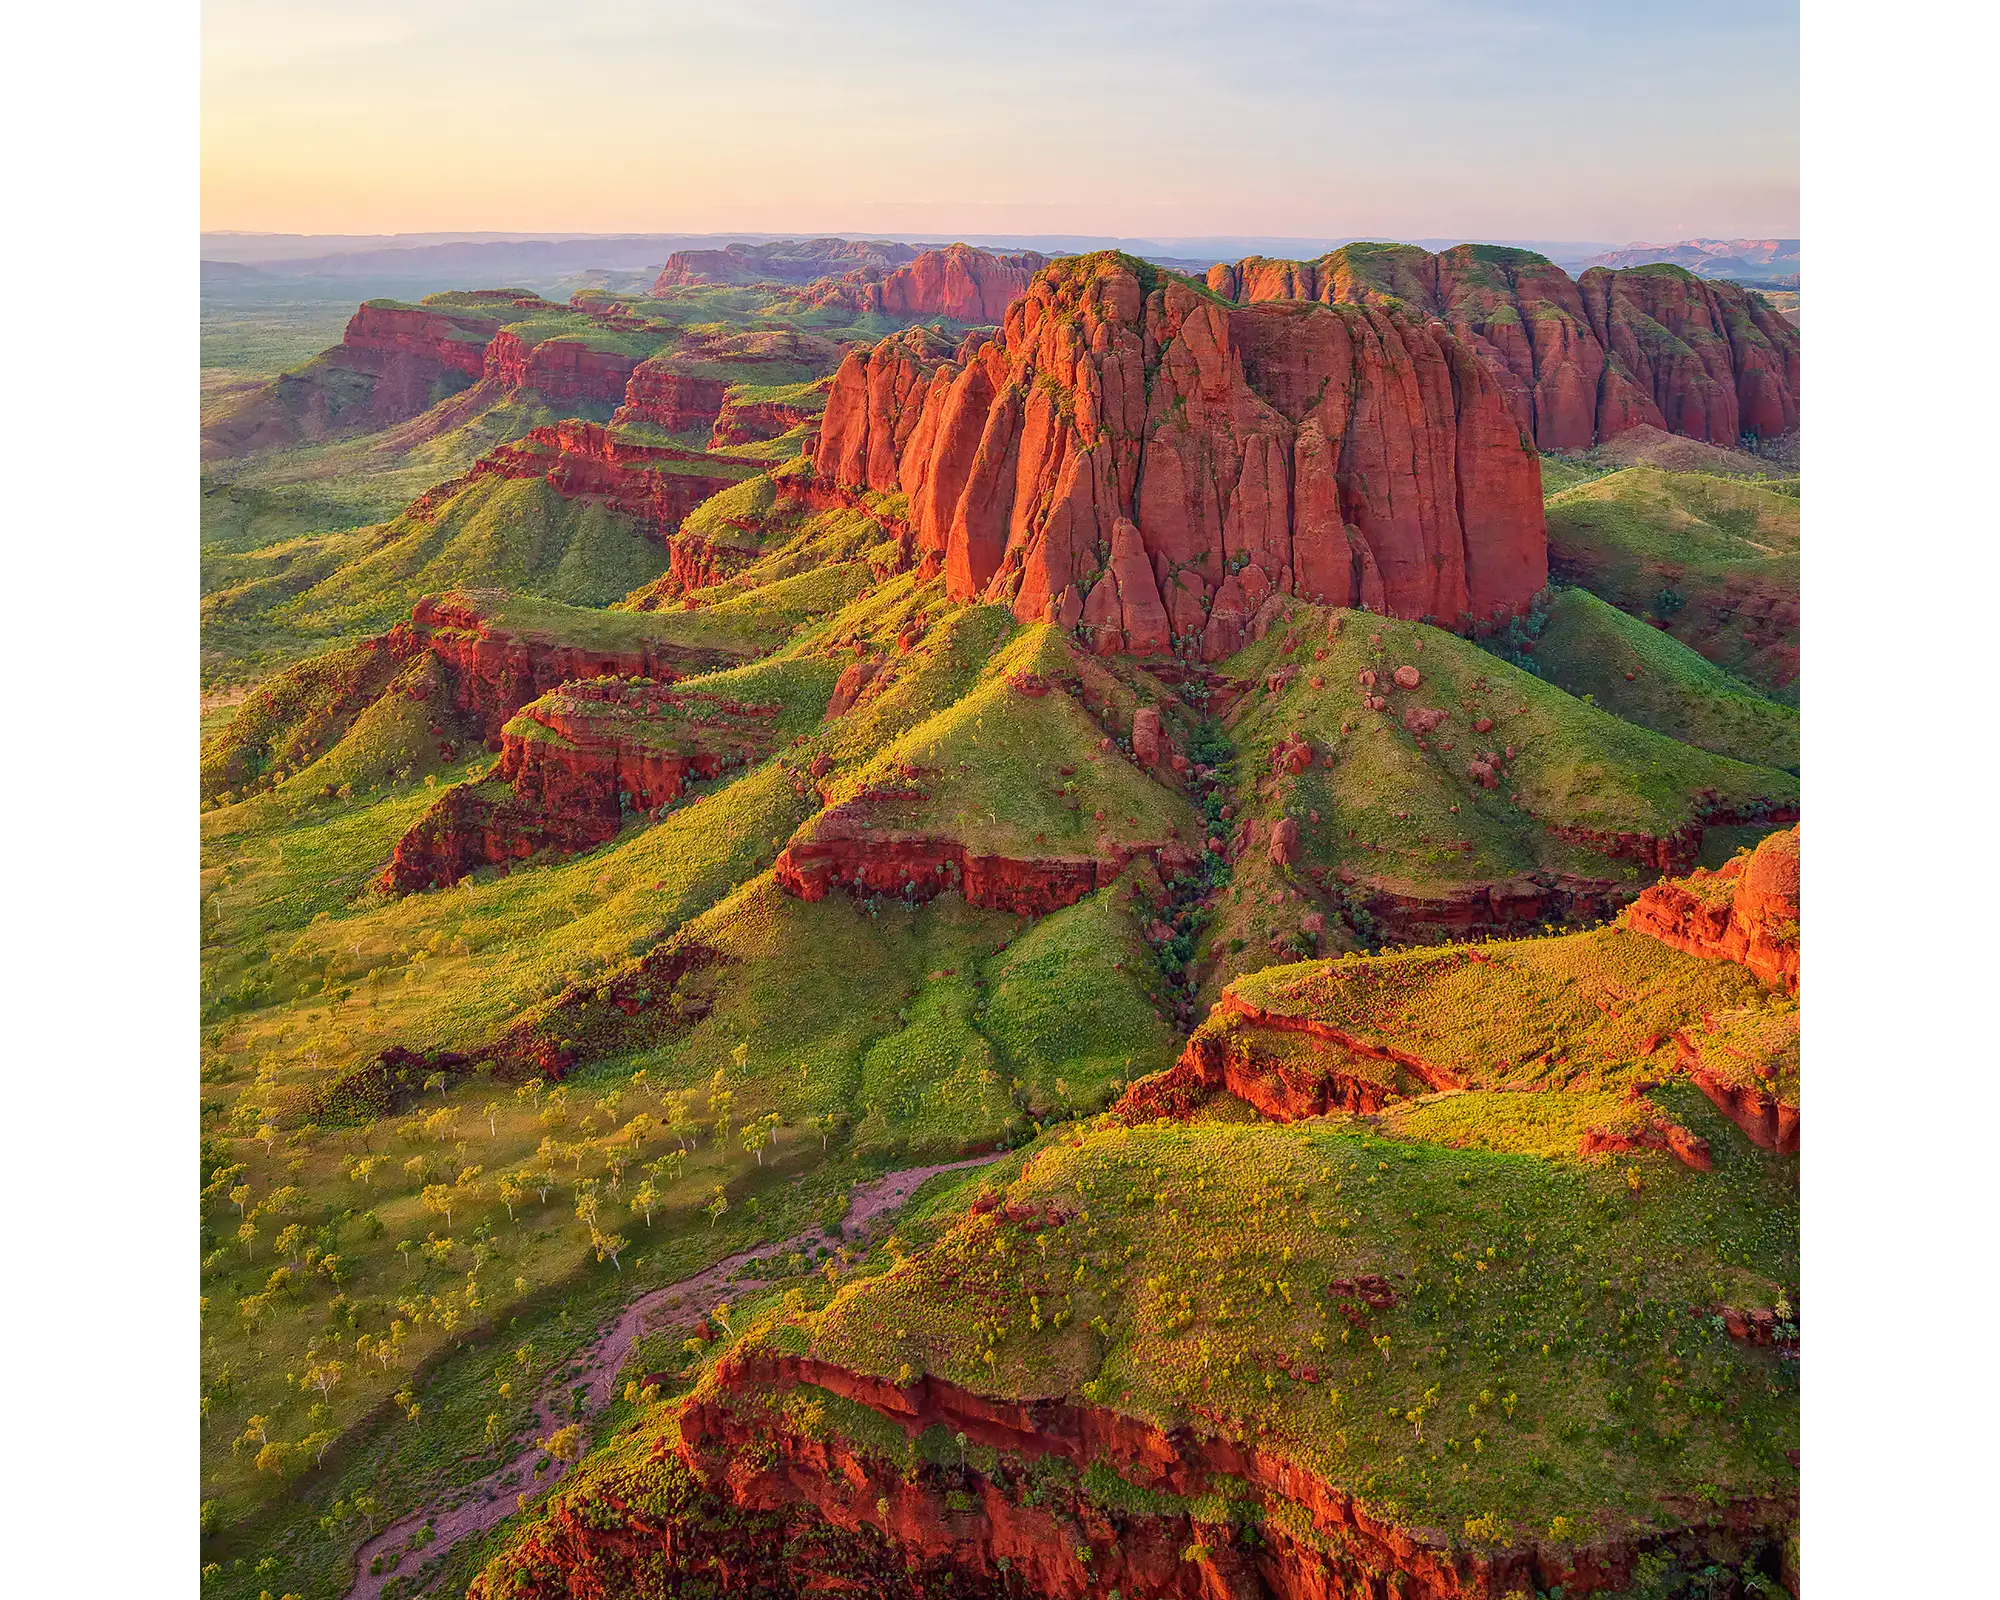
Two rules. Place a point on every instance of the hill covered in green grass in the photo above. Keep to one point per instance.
(584, 1204)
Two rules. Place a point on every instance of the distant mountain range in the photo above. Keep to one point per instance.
(451, 259)
(1747, 259)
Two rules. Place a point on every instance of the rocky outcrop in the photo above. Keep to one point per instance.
(958, 282)
(747, 421)
(1019, 1527)
(657, 485)
(1579, 360)
(474, 825)
(784, 261)
(680, 402)
(1141, 461)
(445, 341)
(1224, 1054)
(575, 764)
(844, 851)
(562, 370)
(1649, 1133)
(394, 362)
(496, 669)
(1746, 912)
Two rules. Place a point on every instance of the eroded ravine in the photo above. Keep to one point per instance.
(491, 1500)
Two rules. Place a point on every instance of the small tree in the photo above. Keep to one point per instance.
(324, 1376)
(644, 1200)
(669, 1167)
(717, 1206)
(513, 1191)
(608, 1246)
(435, 1081)
(678, 1122)
(755, 1136)
(565, 1444)
(491, 1112)
(439, 1199)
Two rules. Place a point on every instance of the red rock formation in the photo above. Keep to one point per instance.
(559, 369)
(1154, 464)
(959, 282)
(680, 402)
(495, 671)
(786, 261)
(1656, 1133)
(453, 341)
(840, 854)
(1223, 1054)
(746, 421)
(394, 362)
(575, 765)
(1579, 361)
(1747, 912)
(657, 485)
(1065, 1547)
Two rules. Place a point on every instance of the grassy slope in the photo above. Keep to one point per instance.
(1011, 775)
(1576, 766)
(1581, 1011)
(1637, 672)
(1715, 558)
(1543, 1363)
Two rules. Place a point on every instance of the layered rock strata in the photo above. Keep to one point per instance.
(657, 485)
(1746, 912)
(1139, 460)
(1579, 360)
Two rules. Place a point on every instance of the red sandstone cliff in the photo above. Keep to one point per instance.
(572, 767)
(1152, 464)
(656, 484)
(495, 670)
(560, 369)
(394, 362)
(959, 282)
(677, 401)
(1579, 360)
(785, 261)
(1747, 912)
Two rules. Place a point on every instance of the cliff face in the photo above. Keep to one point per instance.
(495, 672)
(573, 766)
(393, 363)
(1152, 464)
(560, 369)
(1579, 360)
(676, 401)
(959, 282)
(1017, 1528)
(785, 261)
(656, 484)
(1747, 912)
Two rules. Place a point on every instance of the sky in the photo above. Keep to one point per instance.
(1556, 119)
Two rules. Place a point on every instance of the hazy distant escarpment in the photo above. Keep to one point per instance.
(1579, 359)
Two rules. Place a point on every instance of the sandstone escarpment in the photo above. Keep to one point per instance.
(394, 362)
(562, 370)
(1336, 1070)
(497, 668)
(574, 764)
(850, 848)
(959, 282)
(1746, 912)
(1145, 462)
(785, 261)
(657, 485)
(680, 402)
(1014, 1525)
(1580, 360)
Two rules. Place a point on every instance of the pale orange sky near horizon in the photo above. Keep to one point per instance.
(1297, 118)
